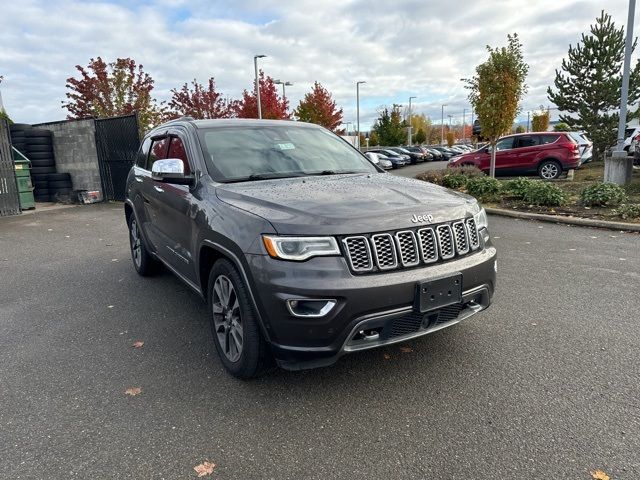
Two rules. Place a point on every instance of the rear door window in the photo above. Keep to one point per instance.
(143, 153)
(527, 141)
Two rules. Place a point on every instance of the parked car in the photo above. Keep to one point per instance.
(426, 155)
(630, 133)
(302, 248)
(414, 157)
(396, 159)
(437, 155)
(379, 160)
(585, 145)
(546, 154)
(445, 152)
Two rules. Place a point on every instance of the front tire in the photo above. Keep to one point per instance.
(143, 262)
(549, 170)
(234, 323)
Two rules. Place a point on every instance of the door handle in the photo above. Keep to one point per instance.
(158, 189)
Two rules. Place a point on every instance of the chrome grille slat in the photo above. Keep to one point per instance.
(460, 237)
(407, 248)
(472, 230)
(445, 241)
(358, 253)
(428, 245)
(384, 251)
(411, 247)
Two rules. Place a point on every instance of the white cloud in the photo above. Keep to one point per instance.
(402, 48)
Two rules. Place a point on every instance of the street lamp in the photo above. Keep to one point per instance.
(464, 118)
(442, 125)
(358, 112)
(255, 66)
(409, 129)
(283, 83)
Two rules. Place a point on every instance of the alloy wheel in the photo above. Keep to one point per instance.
(136, 246)
(549, 171)
(227, 319)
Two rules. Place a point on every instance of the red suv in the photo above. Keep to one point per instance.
(546, 154)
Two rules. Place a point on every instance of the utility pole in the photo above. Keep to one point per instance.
(619, 168)
(255, 66)
(442, 125)
(409, 129)
(358, 112)
(528, 120)
(464, 133)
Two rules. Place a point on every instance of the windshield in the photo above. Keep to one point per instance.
(239, 153)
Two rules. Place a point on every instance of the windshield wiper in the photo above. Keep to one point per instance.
(263, 176)
(333, 172)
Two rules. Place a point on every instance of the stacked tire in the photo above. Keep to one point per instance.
(37, 145)
(19, 136)
(59, 186)
(40, 152)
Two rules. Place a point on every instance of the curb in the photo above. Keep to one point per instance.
(583, 222)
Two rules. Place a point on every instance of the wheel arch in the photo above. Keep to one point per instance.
(209, 252)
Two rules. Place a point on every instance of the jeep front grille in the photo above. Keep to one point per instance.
(410, 248)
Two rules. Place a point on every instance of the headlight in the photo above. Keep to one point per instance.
(300, 248)
(481, 218)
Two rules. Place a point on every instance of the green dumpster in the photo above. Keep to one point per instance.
(22, 167)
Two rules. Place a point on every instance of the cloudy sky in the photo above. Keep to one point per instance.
(400, 48)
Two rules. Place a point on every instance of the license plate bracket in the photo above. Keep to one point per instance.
(438, 293)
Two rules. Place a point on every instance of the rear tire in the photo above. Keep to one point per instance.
(549, 170)
(143, 262)
(234, 323)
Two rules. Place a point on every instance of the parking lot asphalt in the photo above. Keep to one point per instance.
(543, 385)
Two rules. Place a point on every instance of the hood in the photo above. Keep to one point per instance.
(344, 204)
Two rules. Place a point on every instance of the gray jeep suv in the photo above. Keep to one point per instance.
(303, 249)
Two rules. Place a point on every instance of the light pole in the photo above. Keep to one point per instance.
(442, 125)
(358, 112)
(464, 118)
(450, 117)
(283, 83)
(255, 66)
(347, 130)
(409, 129)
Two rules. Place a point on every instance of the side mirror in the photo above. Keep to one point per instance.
(170, 170)
(373, 157)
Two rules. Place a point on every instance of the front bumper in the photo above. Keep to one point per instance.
(380, 301)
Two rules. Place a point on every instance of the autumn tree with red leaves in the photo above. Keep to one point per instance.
(199, 102)
(319, 107)
(272, 106)
(111, 89)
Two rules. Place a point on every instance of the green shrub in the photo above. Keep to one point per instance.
(519, 186)
(454, 180)
(543, 193)
(432, 176)
(603, 195)
(629, 211)
(485, 189)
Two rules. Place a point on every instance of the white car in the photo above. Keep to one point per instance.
(380, 160)
(585, 145)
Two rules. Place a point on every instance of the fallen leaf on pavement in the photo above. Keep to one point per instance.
(406, 349)
(205, 468)
(599, 475)
(387, 356)
(138, 344)
(133, 391)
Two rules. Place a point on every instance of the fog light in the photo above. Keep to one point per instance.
(300, 307)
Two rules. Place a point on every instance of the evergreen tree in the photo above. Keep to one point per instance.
(588, 86)
(389, 127)
(420, 137)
